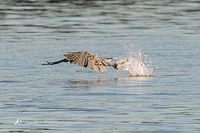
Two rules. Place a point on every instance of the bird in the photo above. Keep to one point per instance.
(88, 60)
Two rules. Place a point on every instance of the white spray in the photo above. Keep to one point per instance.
(137, 65)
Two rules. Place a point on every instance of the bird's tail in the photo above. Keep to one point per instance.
(118, 65)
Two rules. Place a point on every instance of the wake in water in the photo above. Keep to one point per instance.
(138, 65)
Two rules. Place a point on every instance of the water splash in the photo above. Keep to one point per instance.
(138, 65)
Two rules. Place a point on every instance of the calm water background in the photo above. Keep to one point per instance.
(68, 98)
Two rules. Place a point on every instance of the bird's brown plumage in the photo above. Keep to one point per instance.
(86, 59)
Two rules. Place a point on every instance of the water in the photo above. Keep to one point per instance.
(137, 64)
(69, 98)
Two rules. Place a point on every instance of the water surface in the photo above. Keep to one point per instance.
(68, 98)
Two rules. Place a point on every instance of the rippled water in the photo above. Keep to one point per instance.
(69, 98)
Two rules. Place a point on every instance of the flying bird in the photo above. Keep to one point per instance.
(86, 59)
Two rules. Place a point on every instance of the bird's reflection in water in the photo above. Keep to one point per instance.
(104, 81)
(86, 84)
(96, 81)
(102, 86)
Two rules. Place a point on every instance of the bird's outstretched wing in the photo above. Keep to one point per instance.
(97, 64)
(86, 59)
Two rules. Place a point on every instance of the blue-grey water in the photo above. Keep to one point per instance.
(69, 98)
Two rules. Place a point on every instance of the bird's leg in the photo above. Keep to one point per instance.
(56, 62)
(118, 65)
(109, 64)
